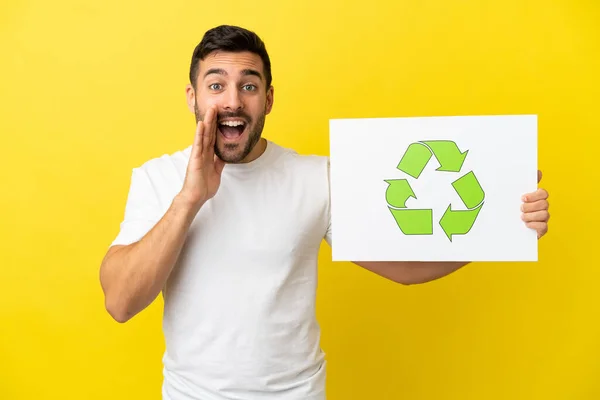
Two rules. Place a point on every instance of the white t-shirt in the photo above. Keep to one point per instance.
(239, 317)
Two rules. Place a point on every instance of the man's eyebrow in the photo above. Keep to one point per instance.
(218, 71)
(221, 71)
(252, 72)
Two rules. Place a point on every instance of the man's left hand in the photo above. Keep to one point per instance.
(535, 210)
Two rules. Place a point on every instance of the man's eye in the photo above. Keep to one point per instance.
(249, 87)
(215, 86)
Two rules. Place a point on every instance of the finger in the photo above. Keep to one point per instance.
(536, 216)
(209, 124)
(540, 194)
(213, 128)
(535, 206)
(540, 227)
(539, 176)
(197, 145)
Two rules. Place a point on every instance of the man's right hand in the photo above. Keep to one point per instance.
(133, 275)
(203, 175)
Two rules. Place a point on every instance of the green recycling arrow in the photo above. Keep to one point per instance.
(410, 222)
(418, 154)
(469, 190)
(420, 221)
(414, 222)
(398, 192)
(460, 222)
(448, 155)
(415, 159)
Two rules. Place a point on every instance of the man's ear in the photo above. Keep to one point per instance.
(190, 95)
(270, 99)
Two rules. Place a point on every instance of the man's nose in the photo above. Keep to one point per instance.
(232, 100)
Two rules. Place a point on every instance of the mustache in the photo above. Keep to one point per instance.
(236, 114)
(222, 115)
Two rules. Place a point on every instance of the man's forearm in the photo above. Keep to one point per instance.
(132, 276)
(411, 272)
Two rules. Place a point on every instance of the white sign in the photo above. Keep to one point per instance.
(432, 188)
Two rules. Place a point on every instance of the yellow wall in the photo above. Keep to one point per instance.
(90, 89)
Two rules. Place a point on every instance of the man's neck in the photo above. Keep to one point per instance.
(258, 149)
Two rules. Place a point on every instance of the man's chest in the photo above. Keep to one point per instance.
(275, 219)
(249, 242)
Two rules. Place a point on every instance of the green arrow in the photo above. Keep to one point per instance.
(414, 222)
(398, 192)
(458, 222)
(448, 155)
(414, 160)
(469, 190)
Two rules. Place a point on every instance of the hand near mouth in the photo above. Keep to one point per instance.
(203, 175)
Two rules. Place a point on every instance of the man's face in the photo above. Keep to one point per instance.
(236, 84)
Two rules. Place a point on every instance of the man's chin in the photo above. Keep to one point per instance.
(236, 150)
(230, 152)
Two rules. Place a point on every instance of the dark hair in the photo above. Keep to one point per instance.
(233, 39)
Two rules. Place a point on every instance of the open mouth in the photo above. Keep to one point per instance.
(232, 130)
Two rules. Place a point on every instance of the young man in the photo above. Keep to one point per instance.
(229, 231)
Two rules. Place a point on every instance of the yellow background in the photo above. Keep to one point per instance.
(89, 90)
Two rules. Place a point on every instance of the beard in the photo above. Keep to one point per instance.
(236, 152)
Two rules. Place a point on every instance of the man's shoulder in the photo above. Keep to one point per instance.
(292, 157)
(172, 161)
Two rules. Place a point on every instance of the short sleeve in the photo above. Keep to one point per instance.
(328, 235)
(142, 209)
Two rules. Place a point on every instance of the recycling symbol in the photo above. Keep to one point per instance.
(420, 221)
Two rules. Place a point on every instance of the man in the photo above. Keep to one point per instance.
(229, 231)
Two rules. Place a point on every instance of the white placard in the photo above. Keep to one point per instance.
(432, 188)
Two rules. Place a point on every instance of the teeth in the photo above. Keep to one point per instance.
(232, 123)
